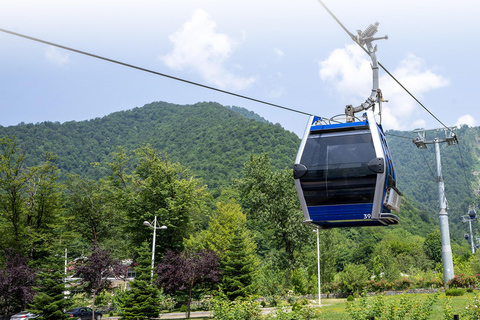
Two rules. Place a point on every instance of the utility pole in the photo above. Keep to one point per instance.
(421, 142)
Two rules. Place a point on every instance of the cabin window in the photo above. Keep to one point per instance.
(337, 166)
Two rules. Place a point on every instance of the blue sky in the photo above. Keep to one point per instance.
(290, 53)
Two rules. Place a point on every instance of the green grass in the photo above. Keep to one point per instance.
(335, 308)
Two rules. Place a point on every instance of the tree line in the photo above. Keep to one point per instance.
(247, 239)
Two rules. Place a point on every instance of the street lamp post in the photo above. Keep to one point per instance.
(155, 226)
(318, 264)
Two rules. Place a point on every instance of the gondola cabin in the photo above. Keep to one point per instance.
(344, 175)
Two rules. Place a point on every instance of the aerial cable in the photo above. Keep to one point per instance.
(338, 21)
(428, 165)
(396, 135)
(391, 75)
(463, 165)
(354, 38)
(153, 72)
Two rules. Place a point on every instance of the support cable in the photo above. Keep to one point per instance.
(396, 135)
(428, 165)
(463, 165)
(385, 69)
(151, 71)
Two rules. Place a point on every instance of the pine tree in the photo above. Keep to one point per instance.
(50, 301)
(143, 299)
(238, 264)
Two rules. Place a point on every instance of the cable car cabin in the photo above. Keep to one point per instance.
(344, 175)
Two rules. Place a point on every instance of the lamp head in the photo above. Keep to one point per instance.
(147, 223)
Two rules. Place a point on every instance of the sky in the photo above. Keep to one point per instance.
(285, 52)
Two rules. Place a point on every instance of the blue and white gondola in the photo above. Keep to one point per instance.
(344, 175)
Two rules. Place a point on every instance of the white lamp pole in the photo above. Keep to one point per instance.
(318, 264)
(155, 226)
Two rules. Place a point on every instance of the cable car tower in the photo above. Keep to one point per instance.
(344, 172)
(421, 142)
(470, 217)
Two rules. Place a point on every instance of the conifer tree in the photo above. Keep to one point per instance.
(142, 300)
(228, 235)
(238, 264)
(50, 301)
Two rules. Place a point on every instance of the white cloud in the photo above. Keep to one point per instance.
(276, 93)
(350, 73)
(56, 56)
(466, 119)
(199, 47)
(278, 53)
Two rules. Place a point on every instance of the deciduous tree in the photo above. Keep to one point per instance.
(16, 282)
(270, 198)
(95, 271)
(186, 270)
(14, 176)
(157, 187)
(433, 246)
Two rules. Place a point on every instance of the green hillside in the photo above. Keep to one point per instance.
(417, 175)
(214, 141)
(220, 178)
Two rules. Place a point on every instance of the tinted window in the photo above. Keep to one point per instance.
(337, 166)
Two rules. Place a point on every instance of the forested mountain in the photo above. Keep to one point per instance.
(219, 178)
(417, 173)
(215, 142)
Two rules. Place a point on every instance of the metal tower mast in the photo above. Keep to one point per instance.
(470, 217)
(421, 143)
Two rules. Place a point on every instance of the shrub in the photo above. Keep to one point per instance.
(434, 283)
(296, 306)
(402, 284)
(183, 308)
(353, 278)
(378, 286)
(236, 310)
(462, 281)
(454, 292)
(350, 298)
(167, 302)
(330, 287)
(306, 313)
(299, 281)
(365, 308)
(298, 313)
(472, 311)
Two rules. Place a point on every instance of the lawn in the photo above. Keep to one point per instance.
(335, 308)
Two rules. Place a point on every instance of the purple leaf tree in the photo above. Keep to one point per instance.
(185, 270)
(16, 281)
(96, 270)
